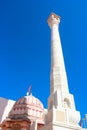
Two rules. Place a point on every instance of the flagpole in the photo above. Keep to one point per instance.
(29, 90)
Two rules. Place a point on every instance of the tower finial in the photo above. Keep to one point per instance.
(53, 19)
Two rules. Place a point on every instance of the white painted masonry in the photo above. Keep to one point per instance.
(5, 107)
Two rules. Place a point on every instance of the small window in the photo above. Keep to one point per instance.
(66, 103)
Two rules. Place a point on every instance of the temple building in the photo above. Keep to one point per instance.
(28, 113)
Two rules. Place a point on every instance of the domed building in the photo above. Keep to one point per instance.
(27, 114)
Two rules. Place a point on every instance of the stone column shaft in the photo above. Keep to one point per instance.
(58, 76)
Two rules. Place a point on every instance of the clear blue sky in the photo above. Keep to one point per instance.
(25, 47)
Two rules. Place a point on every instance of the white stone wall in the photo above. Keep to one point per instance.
(5, 107)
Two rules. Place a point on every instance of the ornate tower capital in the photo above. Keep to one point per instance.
(53, 19)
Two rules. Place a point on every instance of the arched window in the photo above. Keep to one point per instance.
(66, 103)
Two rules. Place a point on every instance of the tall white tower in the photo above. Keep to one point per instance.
(59, 92)
(62, 113)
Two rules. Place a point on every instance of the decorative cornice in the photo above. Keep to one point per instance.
(53, 19)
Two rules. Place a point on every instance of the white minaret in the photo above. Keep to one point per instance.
(62, 113)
